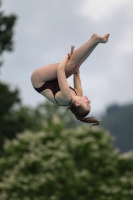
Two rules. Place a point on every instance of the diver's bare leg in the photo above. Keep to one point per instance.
(77, 57)
(83, 52)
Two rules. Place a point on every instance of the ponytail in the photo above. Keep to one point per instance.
(92, 120)
(80, 114)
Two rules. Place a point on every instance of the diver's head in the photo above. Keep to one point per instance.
(80, 107)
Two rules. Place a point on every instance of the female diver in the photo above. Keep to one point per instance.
(51, 80)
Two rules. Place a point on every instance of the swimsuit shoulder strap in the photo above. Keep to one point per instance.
(73, 90)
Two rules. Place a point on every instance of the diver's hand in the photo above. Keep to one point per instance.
(77, 72)
(63, 63)
(71, 52)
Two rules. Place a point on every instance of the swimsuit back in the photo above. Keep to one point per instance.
(53, 86)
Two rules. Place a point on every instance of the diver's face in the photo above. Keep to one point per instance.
(85, 102)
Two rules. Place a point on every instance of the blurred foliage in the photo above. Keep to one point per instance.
(119, 121)
(51, 112)
(15, 118)
(7, 100)
(66, 164)
(6, 32)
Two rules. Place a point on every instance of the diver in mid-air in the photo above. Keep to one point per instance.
(51, 80)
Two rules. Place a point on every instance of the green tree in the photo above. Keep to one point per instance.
(125, 167)
(6, 31)
(12, 120)
(14, 117)
(7, 100)
(69, 164)
(7, 97)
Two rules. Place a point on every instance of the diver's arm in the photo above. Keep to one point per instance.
(77, 83)
(63, 84)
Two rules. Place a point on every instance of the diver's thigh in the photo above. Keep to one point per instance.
(43, 74)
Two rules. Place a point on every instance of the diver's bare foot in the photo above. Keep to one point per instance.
(100, 39)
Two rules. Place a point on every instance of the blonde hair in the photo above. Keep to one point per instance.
(80, 114)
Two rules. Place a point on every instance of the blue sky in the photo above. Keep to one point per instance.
(45, 31)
